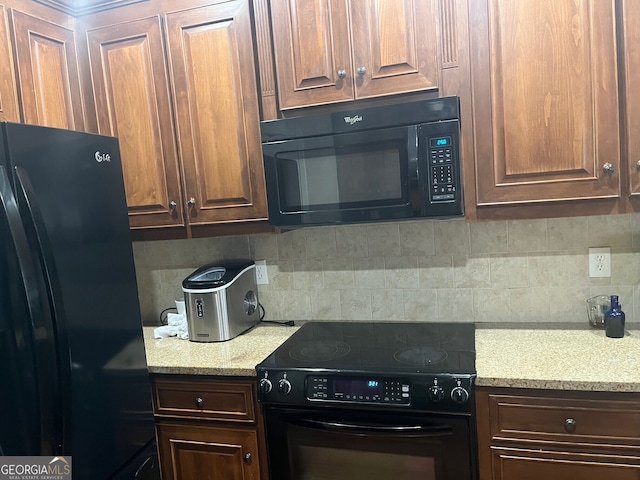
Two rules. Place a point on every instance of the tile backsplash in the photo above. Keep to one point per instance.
(442, 270)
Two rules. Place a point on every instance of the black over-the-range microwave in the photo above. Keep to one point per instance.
(365, 165)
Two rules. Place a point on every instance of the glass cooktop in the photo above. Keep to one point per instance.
(379, 347)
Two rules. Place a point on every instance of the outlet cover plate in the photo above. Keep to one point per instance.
(261, 272)
(599, 262)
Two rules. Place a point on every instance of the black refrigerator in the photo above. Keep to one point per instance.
(72, 362)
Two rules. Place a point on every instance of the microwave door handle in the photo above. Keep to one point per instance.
(413, 170)
(357, 428)
(412, 153)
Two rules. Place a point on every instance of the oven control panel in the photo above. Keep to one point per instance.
(452, 393)
(358, 389)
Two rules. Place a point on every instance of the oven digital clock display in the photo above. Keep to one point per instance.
(356, 386)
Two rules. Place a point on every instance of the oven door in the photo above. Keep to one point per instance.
(342, 444)
(343, 178)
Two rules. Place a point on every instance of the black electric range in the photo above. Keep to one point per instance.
(396, 365)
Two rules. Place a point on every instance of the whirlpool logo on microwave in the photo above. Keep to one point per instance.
(352, 120)
(35, 468)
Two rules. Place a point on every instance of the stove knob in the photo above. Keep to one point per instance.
(459, 395)
(265, 386)
(284, 386)
(436, 393)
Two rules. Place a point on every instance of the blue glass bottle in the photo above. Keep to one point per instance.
(614, 319)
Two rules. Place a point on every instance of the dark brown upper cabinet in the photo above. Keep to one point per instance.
(217, 119)
(545, 128)
(133, 102)
(179, 90)
(330, 51)
(47, 72)
(9, 111)
(631, 29)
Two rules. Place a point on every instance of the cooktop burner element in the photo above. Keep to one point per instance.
(420, 356)
(417, 366)
(427, 334)
(319, 351)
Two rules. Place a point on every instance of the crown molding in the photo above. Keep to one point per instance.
(77, 8)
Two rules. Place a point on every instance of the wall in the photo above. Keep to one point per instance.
(445, 270)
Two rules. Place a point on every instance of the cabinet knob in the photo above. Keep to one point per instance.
(342, 73)
(199, 402)
(191, 202)
(570, 425)
(172, 205)
(361, 71)
(638, 164)
(608, 168)
(248, 458)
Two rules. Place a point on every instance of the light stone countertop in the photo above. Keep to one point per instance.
(567, 359)
(235, 357)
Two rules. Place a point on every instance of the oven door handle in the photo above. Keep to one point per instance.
(358, 428)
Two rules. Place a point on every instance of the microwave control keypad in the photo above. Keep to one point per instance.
(442, 174)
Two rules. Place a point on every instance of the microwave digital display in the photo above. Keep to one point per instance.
(440, 142)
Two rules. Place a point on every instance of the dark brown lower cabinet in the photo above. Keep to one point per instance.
(208, 428)
(557, 435)
(522, 464)
(199, 452)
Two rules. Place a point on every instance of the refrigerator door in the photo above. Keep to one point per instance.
(55, 333)
(30, 404)
(75, 182)
(144, 466)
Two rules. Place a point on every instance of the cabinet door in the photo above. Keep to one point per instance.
(192, 451)
(131, 90)
(520, 464)
(545, 100)
(8, 93)
(47, 73)
(216, 102)
(312, 50)
(395, 46)
(631, 28)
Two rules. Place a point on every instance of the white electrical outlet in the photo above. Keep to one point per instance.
(600, 262)
(261, 272)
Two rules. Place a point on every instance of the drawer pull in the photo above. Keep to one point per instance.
(570, 425)
(248, 458)
(199, 402)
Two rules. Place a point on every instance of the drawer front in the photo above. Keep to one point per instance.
(564, 420)
(520, 464)
(208, 399)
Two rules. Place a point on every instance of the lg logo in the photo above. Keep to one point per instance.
(102, 157)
